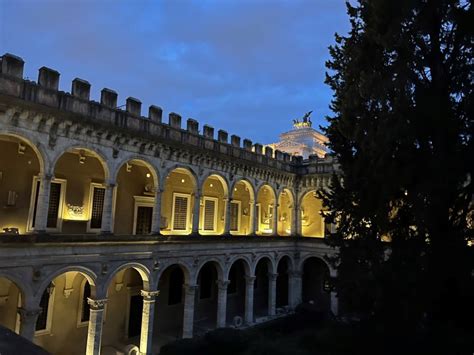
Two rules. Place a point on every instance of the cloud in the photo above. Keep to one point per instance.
(245, 66)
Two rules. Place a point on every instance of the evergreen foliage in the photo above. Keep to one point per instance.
(402, 133)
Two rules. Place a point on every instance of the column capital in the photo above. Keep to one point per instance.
(250, 279)
(29, 313)
(97, 305)
(295, 273)
(149, 295)
(272, 277)
(190, 289)
(222, 284)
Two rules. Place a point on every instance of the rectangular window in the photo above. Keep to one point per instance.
(97, 206)
(55, 208)
(54, 205)
(85, 307)
(210, 214)
(35, 203)
(144, 218)
(180, 212)
(235, 216)
(43, 323)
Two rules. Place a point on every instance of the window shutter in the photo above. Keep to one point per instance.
(54, 200)
(180, 212)
(234, 217)
(209, 215)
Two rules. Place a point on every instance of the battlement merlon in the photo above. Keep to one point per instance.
(46, 93)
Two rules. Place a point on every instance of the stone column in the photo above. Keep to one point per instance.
(299, 226)
(253, 217)
(188, 314)
(156, 221)
(106, 227)
(28, 318)
(196, 209)
(275, 220)
(148, 313)
(293, 221)
(227, 216)
(334, 303)
(94, 332)
(272, 278)
(249, 288)
(222, 302)
(295, 288)
(42, 206)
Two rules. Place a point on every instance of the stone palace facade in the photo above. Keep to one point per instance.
(120, 232)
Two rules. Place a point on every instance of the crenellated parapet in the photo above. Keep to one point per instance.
(106, 114)
(41, 107)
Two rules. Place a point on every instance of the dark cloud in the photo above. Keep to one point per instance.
(245, 66)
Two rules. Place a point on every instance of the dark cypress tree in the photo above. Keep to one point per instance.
(402, 132)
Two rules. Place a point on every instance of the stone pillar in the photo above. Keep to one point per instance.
(156, 221)
(253, 217)
(227, 216)
(334, 303)
(188, 314)
(222, 302)
(94, 332)
(42, 206)
(249, 288)
(295, 288)
(275, 220)
(106, 227)
(28, 318)
(146, 335)
(272, 278)
(196, 209)
(293, 221)
(299, 226)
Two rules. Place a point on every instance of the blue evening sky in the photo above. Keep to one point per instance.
(248, 67)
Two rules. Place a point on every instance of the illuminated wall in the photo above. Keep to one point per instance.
(285, 212)
(16, 175)
(265, 199)
(312, 223)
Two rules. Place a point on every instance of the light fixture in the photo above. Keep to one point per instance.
(235, 189)
(82, 157)
(21, 148)
(148, 175)
(211, 185)
(128, 167)
(182, 181)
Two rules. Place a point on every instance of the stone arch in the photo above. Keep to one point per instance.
(14, 294)
(142, 159)
(271, 263)
(179, 187)
(268, 185)
(90, 275)
(217, 264)
(140, 268)
(24, 288)
(96, 153)
(266, 211)
(214, 199)
(242, 193)
(312, 222)
(292, 264)
(223, 180)
(247, 183)
(245, 262)
(40, 151)
(285, 215)
(23, 164)
(282, 287)
(188, 277)
(321, 259)
(264, 271)
(182, 168)
(315, 275)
